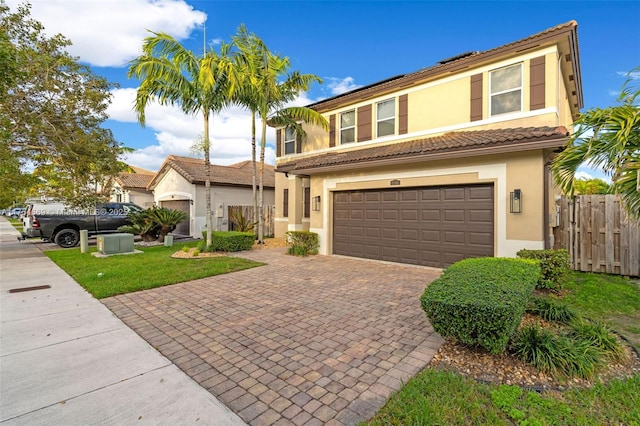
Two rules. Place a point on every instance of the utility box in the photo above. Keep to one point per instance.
(115, 243)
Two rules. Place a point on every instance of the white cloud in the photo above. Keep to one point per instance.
(176, 132)
(338, 86)
(633, 75)
(108, 33)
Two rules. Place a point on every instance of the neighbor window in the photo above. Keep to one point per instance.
(506, 90)
(348, 127)
(386, 117)
(289, 141)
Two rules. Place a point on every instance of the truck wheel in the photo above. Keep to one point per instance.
(67, 238)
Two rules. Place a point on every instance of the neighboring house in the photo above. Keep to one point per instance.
(445, 163)
(179, 184)
(131, 187)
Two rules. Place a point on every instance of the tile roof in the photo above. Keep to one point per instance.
(452, 144)
(193, 170)
(139, 178)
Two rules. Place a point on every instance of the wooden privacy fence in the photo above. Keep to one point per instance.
(268, 215)
(598, 235)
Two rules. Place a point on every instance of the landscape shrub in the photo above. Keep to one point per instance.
(553, 264)
(562, 354)
(551, 309)
(303, 243)
(229, 241)
(600, 336)
(480, 301)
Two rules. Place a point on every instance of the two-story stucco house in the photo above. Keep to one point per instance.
(445, 163)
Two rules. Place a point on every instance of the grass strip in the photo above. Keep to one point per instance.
(104, 277)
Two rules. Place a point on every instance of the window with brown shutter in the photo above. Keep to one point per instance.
(278, 142)
(537, 83)
(476, 97)
(307, 202)
(332, 130)
(364, 123)
(285, 203)
(403, 114)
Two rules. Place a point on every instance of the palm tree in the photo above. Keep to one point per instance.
(174, 75)
(166, 218)
(608, 138)
(262, 91)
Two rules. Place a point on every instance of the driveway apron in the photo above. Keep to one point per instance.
(314, 340)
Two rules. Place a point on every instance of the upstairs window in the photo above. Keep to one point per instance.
(289, 141)
(348, 127)
(386, 118)
(506, 90)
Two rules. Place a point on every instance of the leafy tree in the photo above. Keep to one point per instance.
(266, 86)
(51, 109)
(200, 84)
(608, 138)
(583, 186)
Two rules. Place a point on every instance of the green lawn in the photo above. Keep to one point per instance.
(437, 397)
(104, 277)
(17, 223)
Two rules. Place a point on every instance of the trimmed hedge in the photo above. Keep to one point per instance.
(553, 263)
(229, 241)
(480, 301)
(303, 243)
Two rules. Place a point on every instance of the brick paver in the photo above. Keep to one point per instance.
(312, 340)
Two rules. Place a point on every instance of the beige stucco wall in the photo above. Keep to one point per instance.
(442, 105)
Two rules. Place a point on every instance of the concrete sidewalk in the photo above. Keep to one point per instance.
(66, 359)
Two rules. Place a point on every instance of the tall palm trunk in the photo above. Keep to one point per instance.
(263, 143)
(254, 170)
(207, 180)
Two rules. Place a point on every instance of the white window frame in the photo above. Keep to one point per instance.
(353, 111)
(520, 88)
(386, 119)
(289, 142)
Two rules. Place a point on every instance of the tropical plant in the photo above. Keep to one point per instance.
(583, 186)
(266, 87)
(608, 138)
(142, 224)
(174, 75)
(166, 218)
(241, 222)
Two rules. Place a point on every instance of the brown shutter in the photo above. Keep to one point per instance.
(476, 97)
(536, 83)
(403, 114)
(364, 123)
(307, 202)
(332, 130)
(285, 203)
(278, 142)
(298, 143)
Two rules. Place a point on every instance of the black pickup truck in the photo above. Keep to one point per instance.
(64, 227)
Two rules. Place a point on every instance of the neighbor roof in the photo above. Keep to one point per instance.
(139, 178)
(193, 170)
(565, 35)
(448, 145)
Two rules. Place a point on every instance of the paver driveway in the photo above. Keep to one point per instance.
(315, 340)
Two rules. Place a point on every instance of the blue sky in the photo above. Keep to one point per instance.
(347, 43)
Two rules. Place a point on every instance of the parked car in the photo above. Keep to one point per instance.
(17, 212)
(40, 207)
(64, 229)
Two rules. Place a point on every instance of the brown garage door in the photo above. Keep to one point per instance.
(183, 227)
(430, 226)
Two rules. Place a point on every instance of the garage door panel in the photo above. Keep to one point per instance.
(433, 226)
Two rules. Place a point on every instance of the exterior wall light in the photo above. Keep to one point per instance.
(516, 201)
(316, 203)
